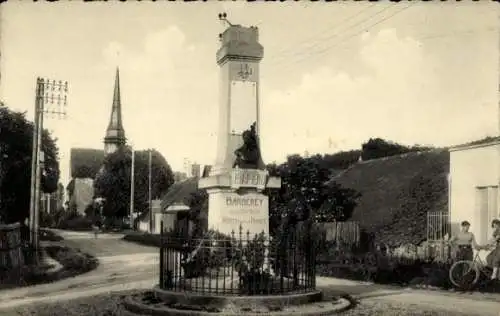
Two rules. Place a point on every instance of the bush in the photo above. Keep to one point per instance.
(47, 235)
(384, 269)
(154, 240)
(77, 224)
(146, 239)
(73, 260)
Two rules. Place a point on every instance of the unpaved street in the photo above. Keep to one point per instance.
(128, 266)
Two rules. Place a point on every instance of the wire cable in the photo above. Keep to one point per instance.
(329, 28)
(340, 32)
(335, 44)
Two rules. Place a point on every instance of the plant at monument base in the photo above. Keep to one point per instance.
(16, 135)
(250, 261)
(198, 213)
(212, 251)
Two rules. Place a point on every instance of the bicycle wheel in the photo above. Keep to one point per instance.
(464, 274)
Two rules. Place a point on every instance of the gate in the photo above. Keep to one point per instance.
(438, 226)
(438, 232)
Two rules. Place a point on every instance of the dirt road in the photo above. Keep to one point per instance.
(126, 266)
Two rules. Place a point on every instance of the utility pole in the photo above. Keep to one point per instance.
(149, 193)
(50, 98)
(132, 186)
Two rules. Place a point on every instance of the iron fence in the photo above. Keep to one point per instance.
(238, 264)
(438, 225)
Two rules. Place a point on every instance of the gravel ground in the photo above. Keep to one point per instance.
(109, 305)
(373, 308)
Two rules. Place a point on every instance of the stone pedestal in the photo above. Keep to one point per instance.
(236, 181)
(236, 200)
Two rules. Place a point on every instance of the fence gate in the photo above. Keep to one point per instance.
(438, 225)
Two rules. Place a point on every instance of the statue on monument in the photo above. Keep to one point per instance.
(248, 155)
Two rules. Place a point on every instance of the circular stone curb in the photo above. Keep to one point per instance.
(133, 305)
(203, 299)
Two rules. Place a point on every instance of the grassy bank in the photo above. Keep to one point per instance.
(73, 261)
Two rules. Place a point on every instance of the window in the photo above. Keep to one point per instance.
(487, 201)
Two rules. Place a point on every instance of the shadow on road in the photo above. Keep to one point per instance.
(360, 290)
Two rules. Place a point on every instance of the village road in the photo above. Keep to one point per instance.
(122, 266)
(127, 266)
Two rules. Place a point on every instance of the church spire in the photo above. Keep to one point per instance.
(115, 134)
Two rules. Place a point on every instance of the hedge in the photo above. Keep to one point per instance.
(47, 235)
(147, 239)
(390, 269)
(77, 224)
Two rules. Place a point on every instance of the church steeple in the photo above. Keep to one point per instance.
(115, 134)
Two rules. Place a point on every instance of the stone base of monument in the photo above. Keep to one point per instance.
(161, 302)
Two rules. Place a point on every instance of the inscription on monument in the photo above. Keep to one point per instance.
(250, 178)
(251, 211)
(238, 201)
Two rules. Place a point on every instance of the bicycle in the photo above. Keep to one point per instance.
(464, 274)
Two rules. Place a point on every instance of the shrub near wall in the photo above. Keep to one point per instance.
(383, 267)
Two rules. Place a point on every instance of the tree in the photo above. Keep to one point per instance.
(340, 160)
(304, 192)
(16, 135)
(377, 148)
(113, 182)
(198, 204)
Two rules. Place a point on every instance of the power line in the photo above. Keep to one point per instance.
(327, 48)
(320, 41)
(442, 35)
(329, 28)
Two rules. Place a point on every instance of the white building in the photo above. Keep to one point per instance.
(473, 186)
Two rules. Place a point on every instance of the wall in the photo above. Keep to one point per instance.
(84, 194)
(144, 225)
(470, 168)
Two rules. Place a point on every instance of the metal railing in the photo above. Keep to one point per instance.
(237, 264)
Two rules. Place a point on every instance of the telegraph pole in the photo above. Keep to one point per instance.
(132, 187)
(149, 193)
(50, 98)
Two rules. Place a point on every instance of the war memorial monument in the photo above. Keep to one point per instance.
(237, 268)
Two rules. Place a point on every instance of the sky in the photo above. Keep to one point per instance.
(333, 74)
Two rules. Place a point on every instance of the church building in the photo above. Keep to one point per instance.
(85, 163)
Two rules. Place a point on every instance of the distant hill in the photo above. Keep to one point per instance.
(397, 192)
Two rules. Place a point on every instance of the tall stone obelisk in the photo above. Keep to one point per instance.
(238, 177)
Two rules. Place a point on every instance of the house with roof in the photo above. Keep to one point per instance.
(474, 179)
(173, 208)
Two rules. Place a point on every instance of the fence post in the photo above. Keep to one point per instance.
(161, 255)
